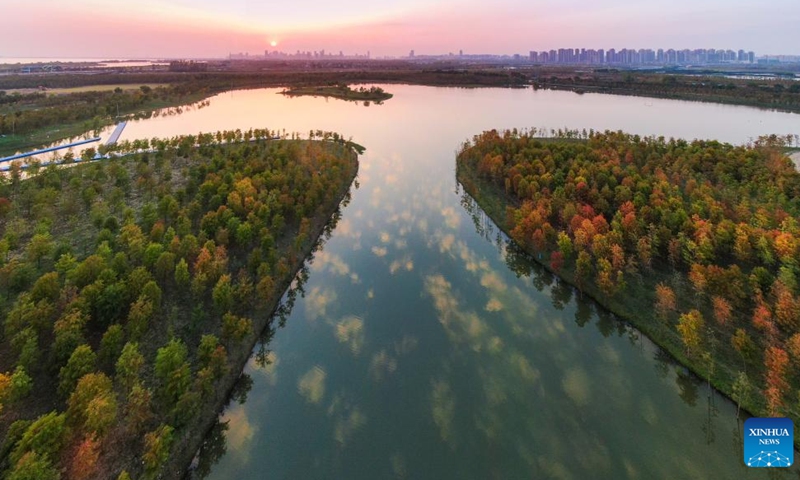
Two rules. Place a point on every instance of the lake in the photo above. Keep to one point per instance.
(426, 347)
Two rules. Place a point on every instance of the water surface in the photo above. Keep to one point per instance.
(426, 347)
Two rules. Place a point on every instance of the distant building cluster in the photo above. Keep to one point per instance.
(702, 56)
(775, 59)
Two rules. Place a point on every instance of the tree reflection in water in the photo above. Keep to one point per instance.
(214, 446)
(561, 294)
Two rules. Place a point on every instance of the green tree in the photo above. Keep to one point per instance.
(741, 391)
(33, 467)
(583, 267)
(27, 343)
(68, 332)
(47, 287)
(152, 253)
(82, 361)
(222, 294)
(14, 387)
(90, 386)
(87, 271)
(138, 409)
(182, 274)
(111, 345)
(110, 304)
(235, 328)
(168, 207)
(172, 371)
(137, 279)
(743, 344)
(157, 445)
(212, 355)
(565, 245)
(101, 413)
(129, 366)
(39, 247)
(690, 327)
(139, 317)
(21, 385)
(165, 266)
(152, 292)
(45, 437)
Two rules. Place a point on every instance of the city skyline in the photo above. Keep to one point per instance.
(212, 28)
(559, 55)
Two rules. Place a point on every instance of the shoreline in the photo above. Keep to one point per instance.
(609, 90)
(199, 87)
(50, 135)
(650, 331)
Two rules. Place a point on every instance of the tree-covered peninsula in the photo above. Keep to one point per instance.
(696, 243)
(133, 289)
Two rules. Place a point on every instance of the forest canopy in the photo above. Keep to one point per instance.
(696, 243)
(133, 288)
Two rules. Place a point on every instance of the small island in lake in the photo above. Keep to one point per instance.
(343, 92)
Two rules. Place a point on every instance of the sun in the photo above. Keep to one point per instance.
(273, 43)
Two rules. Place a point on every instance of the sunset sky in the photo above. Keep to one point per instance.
(213, 28)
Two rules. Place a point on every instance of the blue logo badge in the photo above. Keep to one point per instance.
(768, 442)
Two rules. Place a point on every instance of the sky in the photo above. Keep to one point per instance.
(215, 28)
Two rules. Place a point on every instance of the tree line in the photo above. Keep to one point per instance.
(778, 93)
(23, 114)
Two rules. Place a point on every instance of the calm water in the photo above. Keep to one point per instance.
(425, 348)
